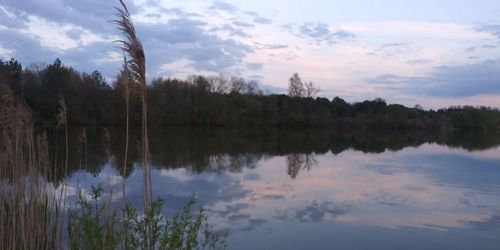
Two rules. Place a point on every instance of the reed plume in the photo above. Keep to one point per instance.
(136, 66)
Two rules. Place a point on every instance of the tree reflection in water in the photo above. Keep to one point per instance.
(297, 162)
(232, 150)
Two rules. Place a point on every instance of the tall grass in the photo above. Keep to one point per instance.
(29, 215)
(136, 67)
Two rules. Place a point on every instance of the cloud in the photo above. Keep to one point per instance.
(470, 49)
(270, 46)
(95, 56)
(78, 41)
(210, 188)
(253, 223)
(251, 13)
(183, 37)
(25, 47)
(262, 20)
(256, 78)
(273, 89)
(238, 217)
(254, 66)
(10, 21)
(419, 61)
(319, 32)
(243, 24)
(218, 5)
(28, 49)
(251, 177)
(490, 224)
(177, 12)
(489, 46)
(448, 81)
(394, 49)
(91, 14)
(188, 39)
(74, 34)
(232, 31)
(232, 210)
(319, 212)
(492, 29)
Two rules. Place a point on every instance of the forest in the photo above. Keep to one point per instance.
(219, 101)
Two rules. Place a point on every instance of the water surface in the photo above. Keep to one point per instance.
(296, 189)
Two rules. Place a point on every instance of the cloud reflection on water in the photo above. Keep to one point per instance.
(429, 187)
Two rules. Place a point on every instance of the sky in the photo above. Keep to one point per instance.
(432, 53)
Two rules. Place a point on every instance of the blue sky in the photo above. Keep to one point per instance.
(432, 53)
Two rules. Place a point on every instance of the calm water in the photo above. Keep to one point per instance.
(291, 189)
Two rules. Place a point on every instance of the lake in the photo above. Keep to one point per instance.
(314, 189)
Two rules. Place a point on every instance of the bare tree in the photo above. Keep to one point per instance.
(310, 89)
(238, 85)
(296, 87)
(253, 88)
(222, 84)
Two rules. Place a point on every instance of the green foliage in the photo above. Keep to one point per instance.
(88, 225)
(91, 226)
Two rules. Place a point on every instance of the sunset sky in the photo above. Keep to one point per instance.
(432, 53)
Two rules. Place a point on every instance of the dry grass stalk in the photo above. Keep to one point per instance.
(62, 120)
(125, 85)
(27, 208)
(136, 66)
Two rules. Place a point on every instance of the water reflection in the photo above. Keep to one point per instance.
(273, 189)
(220, 150)
(297, 162)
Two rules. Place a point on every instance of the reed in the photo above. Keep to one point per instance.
(30, 216)
(136, 68)
(62, 120)
(124, 86)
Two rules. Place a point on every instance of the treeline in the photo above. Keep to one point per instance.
(219, 101)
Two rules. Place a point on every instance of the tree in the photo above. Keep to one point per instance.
(220, 84)
(296, 87)
(310, 90)
(238, 85)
